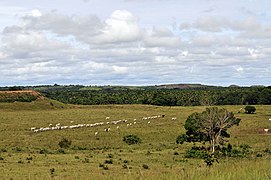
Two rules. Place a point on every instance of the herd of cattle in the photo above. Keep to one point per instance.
(59, 126)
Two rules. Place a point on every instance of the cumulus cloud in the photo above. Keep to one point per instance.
(56, 47)
(121, 26)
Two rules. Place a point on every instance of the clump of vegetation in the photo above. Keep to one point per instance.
(210, 159)
(105, 167)
(1, 158)
(65, 143)
(110, 156)
(196, 152)
(131, 139)
(145, 166)
(108, 161)
(52, 171)
(29, 158)
(250, 109)
(61, 151)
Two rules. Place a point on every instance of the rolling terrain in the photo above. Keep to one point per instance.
(28, 155)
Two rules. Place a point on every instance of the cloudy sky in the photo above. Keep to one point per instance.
(135, 42)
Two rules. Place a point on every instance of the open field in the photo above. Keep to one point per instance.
(28, 155)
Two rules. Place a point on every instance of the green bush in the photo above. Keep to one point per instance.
(108, 161)
(145, 166)
(65, 143)
(250, 109)
(181, 139)
(196, 152)
(131, 139)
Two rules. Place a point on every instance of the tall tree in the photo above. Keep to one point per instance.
(211, 125)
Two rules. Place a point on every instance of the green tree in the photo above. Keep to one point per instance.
(211, 125)
(250, 109)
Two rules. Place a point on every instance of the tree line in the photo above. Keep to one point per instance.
(161, 97)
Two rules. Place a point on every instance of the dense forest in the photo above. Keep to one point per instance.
(170, 95)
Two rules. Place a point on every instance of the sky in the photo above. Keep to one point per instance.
(135, 42)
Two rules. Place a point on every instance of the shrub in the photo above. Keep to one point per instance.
(1, 158)
(64, 143)
(131, 139)
(196, 152)
(181, 139)
(29, 158)
(108, 161)
(61, 151)
(210, 159)
(52, 170)
(250, 109)
(145, 166)
(110, 156)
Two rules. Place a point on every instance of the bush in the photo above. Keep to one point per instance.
(108, 161)
(250, 109)
(181, 139)
(196, 152)
(131, 139)
(145, 166)
(64, 143)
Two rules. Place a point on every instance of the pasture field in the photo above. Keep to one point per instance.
(28, 155)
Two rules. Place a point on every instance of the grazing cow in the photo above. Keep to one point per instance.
(107, 129)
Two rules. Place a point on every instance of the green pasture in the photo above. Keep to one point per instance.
(28, 155)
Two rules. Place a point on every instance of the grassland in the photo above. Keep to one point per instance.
(28, 155)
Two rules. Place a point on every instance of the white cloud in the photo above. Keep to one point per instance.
(142, 47)
(36, 13)
(121, 26)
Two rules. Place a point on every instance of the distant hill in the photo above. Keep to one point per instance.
(119, 87)
(185, 86)
(20, 96)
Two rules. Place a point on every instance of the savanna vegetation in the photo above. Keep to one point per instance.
(164, 95)
(146, 149)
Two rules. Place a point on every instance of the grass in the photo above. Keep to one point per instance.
(28, 155)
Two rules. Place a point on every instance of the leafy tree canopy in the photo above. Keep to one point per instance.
(209, 126)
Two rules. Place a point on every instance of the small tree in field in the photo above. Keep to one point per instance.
(211, 125)
(250, 109)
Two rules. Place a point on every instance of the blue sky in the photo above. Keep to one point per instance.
(135, 42)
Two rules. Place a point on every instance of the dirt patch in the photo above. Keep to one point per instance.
(34, 93)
